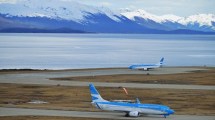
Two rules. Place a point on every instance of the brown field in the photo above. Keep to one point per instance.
(46, 118)
(201, 77)
(189, 102)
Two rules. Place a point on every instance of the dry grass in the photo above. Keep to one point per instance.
(46, 118)
(191, 102)
(204, 77)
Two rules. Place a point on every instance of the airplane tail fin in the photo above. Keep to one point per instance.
(95, 94)
(138, 101)
(161, 62)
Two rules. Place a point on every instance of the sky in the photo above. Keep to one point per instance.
(181, 8)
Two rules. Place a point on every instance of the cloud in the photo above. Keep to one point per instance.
(106, 4)
(8, 1)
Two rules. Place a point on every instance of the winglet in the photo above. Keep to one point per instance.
(138, 101)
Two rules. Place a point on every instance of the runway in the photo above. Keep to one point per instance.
(110, 115)
(42, 78)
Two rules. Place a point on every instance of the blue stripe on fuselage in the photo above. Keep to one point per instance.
(149, 65)
(146, 106)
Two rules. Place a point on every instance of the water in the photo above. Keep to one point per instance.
(68, 51)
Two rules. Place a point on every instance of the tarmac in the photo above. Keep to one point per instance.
(110, 115)
(42, 78)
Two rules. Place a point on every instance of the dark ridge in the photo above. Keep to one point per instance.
(8, 70)
(36, 30)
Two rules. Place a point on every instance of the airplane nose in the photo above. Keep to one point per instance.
(170, 111)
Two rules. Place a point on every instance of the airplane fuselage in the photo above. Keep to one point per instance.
(131, 109)
(135, 107)
(147, 66)
(143, 66)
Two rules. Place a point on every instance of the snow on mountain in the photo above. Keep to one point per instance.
(67, 10)
(202, 19)
(71, 15)
(113, 15)
(198, 22)
(148, 16)
(169, 17)
(65, 15)
(142, 14)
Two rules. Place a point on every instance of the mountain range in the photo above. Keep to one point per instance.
(56, 16)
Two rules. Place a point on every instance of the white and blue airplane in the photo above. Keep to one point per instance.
(147, 66)
(131, 109)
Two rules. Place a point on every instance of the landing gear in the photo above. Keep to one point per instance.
(126, 115)
(165, 116)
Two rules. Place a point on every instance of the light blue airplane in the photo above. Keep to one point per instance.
(147, 66)
(131, 109)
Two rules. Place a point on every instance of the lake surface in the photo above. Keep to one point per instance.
(69, 51)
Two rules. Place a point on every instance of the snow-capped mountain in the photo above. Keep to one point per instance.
(70, 16)
(199, 22)
(201, 19)
(202, 22)
(63, 14)
(67, 10)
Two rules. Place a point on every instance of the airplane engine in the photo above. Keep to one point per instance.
(134, 114)
(146, 69)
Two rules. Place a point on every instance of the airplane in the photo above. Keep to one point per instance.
(131, 109)
(147, 66)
